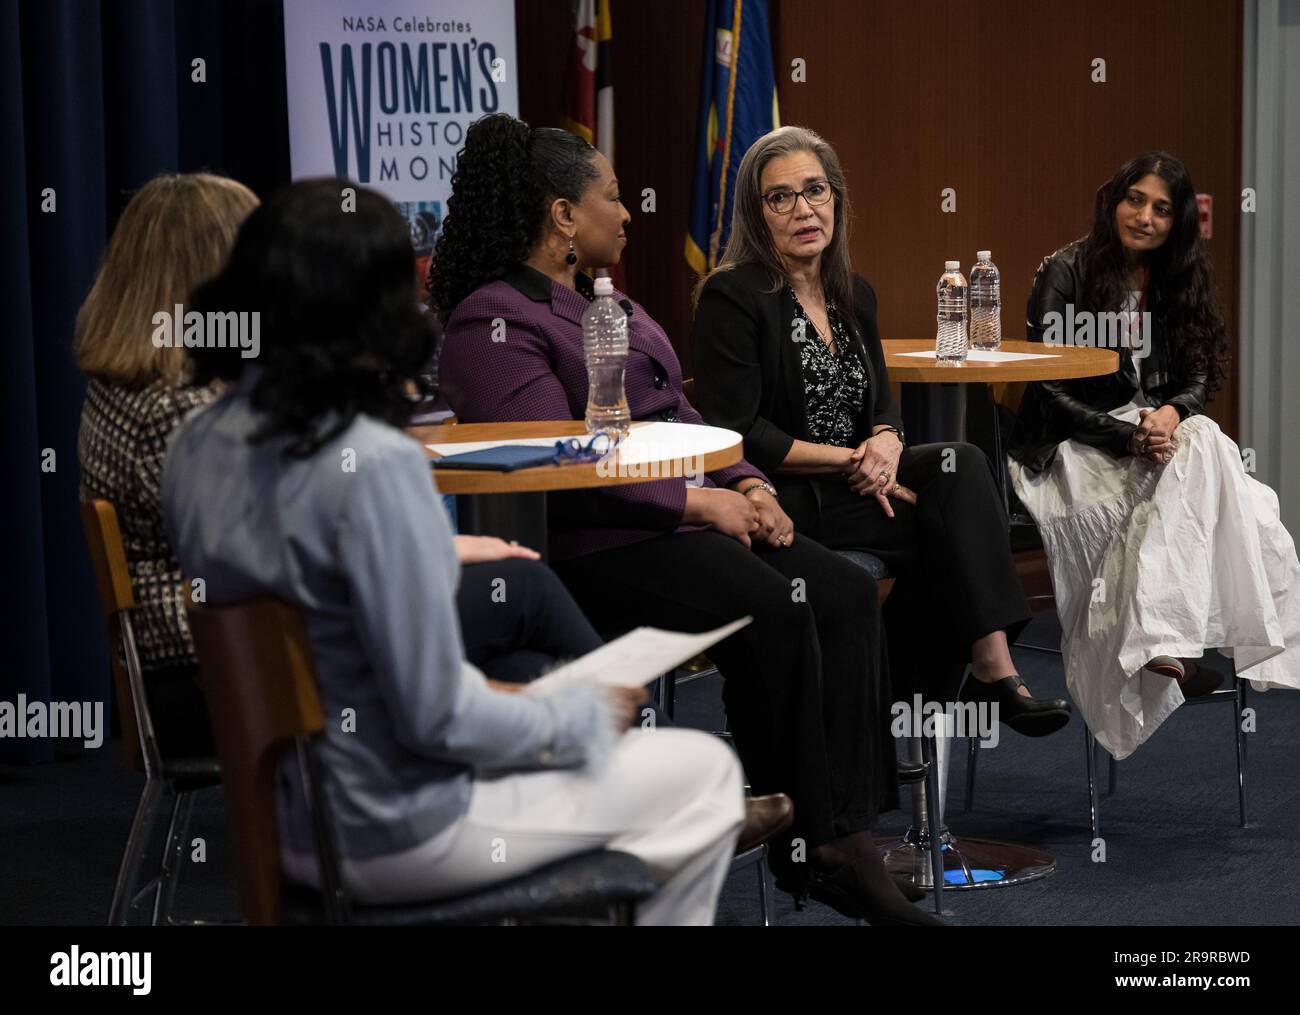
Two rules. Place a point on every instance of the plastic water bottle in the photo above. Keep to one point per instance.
(604, 338)
(985, 304)
(950, 340)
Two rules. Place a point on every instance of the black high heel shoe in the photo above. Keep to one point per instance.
(800, 890)
(1031, 717)
(861, 890)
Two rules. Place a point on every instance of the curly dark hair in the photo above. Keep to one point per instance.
(506, 178)
(1180, 268)
(341, 331)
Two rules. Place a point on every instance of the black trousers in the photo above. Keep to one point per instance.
(806, 684)
(956, 581)
(517, 618)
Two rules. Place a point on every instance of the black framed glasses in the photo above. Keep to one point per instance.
(574, 452)
(782, 201)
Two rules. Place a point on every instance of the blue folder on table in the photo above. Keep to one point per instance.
(505, 458)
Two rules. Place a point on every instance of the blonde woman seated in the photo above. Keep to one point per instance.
(174, 234)
(1160, 544)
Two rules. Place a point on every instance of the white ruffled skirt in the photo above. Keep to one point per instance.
(1172, 559)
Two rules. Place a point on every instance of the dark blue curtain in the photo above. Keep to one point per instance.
(95, 99)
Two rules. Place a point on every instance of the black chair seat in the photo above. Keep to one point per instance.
(579, 887)
(1024, 535)
(189, 774)
(869, 562)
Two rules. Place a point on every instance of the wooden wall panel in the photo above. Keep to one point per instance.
(658, 53)
(993, 99)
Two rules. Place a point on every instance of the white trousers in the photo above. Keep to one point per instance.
(673, 798)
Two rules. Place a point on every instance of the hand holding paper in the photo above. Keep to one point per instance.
(635, 659)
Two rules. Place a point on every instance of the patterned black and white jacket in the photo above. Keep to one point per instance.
(121, 446)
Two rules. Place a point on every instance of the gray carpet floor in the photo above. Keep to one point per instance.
(1174, 852)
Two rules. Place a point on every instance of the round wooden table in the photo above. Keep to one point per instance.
(512, 505)
(1059, 362)
(934, 394)
(934, 409)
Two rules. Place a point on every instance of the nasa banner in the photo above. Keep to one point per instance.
(382, 93)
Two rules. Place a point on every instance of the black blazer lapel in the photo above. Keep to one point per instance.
(791, 363)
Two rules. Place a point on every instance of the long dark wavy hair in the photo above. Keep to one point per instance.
(341, 332)
(506, 178)
(1181, 280)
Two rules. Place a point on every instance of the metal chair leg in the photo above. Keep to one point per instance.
(972, 752)
(665, 693)
(765, 889)
(1240, 736)
(1090, 748)
(930, 756)
(173, 858)
(132, 856)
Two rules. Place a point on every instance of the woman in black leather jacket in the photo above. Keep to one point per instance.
(1160, 545)
(1135, 246)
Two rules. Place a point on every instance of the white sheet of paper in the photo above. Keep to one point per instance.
(988, 356)
(464, 447)
(635, 659)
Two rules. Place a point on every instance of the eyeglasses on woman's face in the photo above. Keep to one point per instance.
(782, 200)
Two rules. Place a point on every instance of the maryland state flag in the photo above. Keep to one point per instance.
(589, 81)
(737, 107)
(589, 85)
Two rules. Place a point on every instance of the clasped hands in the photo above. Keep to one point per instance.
(872, 469)
(744, 516)
(1153, 439)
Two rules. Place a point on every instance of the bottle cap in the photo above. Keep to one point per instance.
(984, 255)
(604, 286)
(952, 266)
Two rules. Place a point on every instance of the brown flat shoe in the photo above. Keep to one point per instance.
(765, 816)
(1166, 666)
(1194, 681)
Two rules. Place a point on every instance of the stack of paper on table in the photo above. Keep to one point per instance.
(989, 356)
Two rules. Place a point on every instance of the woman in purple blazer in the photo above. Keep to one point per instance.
(807, 684)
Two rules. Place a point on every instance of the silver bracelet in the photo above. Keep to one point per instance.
(762, 486)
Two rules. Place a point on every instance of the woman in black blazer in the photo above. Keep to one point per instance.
(788, 354)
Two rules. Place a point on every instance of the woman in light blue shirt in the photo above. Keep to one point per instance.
(301, 484)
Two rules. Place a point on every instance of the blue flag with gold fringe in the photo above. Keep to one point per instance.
(737, 107)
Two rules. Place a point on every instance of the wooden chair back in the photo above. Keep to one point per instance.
(257, 675)
(116, 600)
